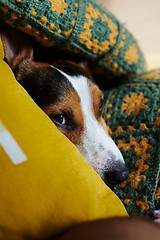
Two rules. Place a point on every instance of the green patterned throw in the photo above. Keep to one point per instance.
(83, 27)
(132, 114)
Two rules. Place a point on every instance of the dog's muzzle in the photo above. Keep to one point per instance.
(118, 174)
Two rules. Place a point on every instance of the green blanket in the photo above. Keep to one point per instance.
(132, 114)
(83, 27)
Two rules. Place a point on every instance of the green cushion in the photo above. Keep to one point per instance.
(132, 114)
(83, 27)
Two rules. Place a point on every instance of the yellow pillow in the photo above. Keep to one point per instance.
(46, 186)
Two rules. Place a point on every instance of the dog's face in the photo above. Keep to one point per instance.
(67, 94)
(75, 105)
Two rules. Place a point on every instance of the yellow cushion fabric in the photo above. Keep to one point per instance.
(1, 50)
(45, 184)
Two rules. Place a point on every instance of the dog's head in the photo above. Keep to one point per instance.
(69, 96)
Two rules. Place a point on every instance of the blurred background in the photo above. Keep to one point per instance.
(142, 19)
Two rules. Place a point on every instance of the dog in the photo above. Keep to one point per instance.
(66, 92)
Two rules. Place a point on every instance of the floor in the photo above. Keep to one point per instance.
(142, 18)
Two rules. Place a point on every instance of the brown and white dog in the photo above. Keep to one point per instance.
(67, 94)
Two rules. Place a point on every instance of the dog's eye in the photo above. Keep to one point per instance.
(60, 120)
(101, 105)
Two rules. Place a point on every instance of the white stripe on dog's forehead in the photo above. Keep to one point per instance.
(80, 84)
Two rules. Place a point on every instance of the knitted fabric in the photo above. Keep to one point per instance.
(132, 114)
(83, 27)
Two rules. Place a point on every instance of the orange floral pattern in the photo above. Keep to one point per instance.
(109, 59)
(135, 177)
(93, 13)
(134, 103)
(58, 6)
(131, 55)
(143, 204)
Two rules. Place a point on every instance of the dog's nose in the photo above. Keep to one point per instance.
(118, 174)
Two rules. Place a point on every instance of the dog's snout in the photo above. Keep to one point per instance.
(118, 174)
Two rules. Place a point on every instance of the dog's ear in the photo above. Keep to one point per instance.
(86, 68)
(17, 45)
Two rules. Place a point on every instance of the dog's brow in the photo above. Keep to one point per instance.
(69, 112)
